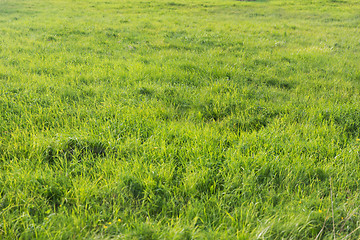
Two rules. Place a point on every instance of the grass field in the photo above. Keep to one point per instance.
(202, 119)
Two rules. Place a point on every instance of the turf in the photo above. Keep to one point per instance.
(213, 119)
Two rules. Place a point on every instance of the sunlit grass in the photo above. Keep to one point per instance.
(179, 119)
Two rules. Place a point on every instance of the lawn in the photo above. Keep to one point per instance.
(202, 119)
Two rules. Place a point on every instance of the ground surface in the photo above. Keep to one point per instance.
(179, 119)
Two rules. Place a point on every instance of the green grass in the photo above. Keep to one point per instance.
(214, 119)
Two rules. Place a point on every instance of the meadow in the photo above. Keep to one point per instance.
(176, 119)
